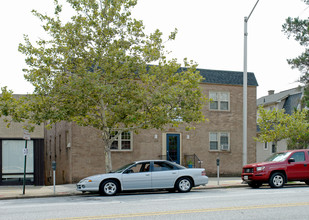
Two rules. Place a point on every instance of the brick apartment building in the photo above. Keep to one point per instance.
(79, 152)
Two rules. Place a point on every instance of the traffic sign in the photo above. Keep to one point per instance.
(26, 135)
(25, 150)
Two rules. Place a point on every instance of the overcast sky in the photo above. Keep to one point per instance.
(210, 32)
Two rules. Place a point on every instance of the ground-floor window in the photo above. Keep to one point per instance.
(219, 141)
(13, 162)
(124, 142)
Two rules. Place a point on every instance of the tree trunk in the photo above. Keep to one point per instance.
(108, 159)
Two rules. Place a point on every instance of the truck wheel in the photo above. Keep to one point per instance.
(109, 188)
(276, 180)
(255, 185)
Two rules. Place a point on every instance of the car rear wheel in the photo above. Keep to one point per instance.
(184, 184)
(109, 188)
(255, 185)
(276, 180)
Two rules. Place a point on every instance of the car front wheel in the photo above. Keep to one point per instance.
(109, 188)
(184, 184)
(276, 180)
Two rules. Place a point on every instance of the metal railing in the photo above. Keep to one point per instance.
(165, 157)
(192, 161)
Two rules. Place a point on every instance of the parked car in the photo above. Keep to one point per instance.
(145, 175)
(278, 169)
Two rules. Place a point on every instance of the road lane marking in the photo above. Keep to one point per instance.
(145, 214)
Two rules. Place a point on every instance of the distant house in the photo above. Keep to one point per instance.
(78, 151)
(12, 155)
(289, 100)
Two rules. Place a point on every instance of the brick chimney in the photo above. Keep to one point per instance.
(271, 92)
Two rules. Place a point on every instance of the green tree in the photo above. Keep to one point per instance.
(272, 125)
(299, 30)
(93, 70)
(299, 130)
(276, 125)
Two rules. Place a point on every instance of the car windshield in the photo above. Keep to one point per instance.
(278, 157)
(122, 168)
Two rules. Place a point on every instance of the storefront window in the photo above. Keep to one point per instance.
(13, 161)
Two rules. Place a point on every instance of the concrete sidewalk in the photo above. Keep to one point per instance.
(16, 192)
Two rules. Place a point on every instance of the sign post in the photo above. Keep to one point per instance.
(25, 150)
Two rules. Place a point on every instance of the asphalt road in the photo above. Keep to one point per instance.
(228, 203)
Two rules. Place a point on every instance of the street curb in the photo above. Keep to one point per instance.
(194, 189)
(220, 187)
(79, 193)
(39, 196)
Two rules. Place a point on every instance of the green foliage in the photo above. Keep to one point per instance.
(276, 125)
(93, 70)
(299, 30)
(299, 128)
(272, 124)
(15, 108)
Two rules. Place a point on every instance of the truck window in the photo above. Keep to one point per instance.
(299, 156)
(278, 157)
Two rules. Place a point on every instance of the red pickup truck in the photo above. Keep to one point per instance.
(292, 165)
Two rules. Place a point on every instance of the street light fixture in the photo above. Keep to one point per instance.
(245, 82)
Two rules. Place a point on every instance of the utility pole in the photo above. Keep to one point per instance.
(245, 92)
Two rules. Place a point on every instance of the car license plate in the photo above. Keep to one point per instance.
(245, 177)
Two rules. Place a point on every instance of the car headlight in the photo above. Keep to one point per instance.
(85, 181)
(260, 168)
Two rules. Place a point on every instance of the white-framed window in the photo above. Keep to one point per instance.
(266, 146)
(219, 141)
(273, 148)
(219, 101)
(175, 115)
(124, 142)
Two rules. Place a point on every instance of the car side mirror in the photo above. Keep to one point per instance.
(291, 160)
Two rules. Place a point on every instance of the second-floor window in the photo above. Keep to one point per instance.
(273, 148)
(219, 101)
(265, 146)
(219, 141)
(123, 142)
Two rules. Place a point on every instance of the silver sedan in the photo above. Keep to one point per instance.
(145, 175)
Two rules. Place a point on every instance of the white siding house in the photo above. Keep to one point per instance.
(289, 100)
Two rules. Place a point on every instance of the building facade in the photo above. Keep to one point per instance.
(79, 151)
(289, 100)
(12, 155)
